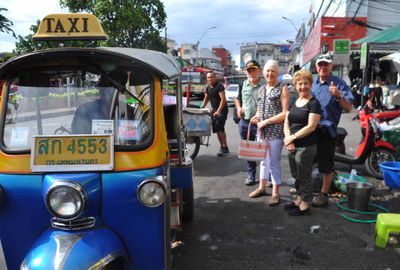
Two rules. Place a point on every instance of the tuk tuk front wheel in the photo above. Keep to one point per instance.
(188, 204)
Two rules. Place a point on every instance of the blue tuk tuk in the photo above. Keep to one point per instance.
(93, 168)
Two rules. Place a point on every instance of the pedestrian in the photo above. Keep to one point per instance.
(272, 105)
(215, 93)
(301, 142)
(246, 108)
(334, 95)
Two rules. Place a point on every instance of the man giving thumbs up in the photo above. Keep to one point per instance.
(334, 95)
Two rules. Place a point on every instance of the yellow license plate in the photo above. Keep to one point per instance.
(72, 153)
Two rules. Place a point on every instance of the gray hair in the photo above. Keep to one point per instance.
(271, 63)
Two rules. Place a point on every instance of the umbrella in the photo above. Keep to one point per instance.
(285, 78)
(395, 57)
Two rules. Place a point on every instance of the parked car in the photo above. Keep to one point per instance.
(231, 93)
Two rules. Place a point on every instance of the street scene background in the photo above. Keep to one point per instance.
(232, 231)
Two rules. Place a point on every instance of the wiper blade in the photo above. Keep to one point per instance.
(122, 89)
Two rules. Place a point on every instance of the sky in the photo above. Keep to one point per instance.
(236, 22)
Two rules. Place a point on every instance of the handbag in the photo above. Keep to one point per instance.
(252, 150)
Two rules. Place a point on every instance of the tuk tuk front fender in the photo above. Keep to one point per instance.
(74, 250)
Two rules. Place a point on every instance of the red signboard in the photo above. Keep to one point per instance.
(327, 29)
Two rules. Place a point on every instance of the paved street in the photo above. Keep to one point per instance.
(231, 231)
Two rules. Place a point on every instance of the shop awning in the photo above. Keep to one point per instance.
(389, 35)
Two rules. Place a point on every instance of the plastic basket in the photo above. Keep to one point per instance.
(197, 121)
(391, 174)
(342, 186)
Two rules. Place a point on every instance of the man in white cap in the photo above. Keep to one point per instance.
(334, 95)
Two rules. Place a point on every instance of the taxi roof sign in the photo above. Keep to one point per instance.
(70, 26)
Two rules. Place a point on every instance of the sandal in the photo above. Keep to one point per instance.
(290, 206)
(257, 193)
(274, 200)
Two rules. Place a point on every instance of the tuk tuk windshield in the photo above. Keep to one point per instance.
(61, 102)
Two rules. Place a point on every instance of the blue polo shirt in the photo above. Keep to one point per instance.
(330, 108)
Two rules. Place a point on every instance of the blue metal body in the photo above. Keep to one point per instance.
(123, 225)
(73, 250)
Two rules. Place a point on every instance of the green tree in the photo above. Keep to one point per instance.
(26, 44)
(5, 24)
(129, 23)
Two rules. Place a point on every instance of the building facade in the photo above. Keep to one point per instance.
(262, 52)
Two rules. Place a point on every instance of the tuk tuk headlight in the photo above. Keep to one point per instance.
(152, 192)
(66, 200)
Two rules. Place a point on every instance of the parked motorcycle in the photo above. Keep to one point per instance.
(372, 150)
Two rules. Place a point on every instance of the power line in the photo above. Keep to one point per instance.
(326, 9)
(337, 7)
(320, 7)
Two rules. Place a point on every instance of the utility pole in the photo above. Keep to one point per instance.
(198, 43)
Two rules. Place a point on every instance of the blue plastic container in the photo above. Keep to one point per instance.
(391, 174)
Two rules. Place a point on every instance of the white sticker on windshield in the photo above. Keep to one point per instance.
(102, 127)
(19, 136)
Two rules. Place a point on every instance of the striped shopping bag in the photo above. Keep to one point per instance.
(252, 150)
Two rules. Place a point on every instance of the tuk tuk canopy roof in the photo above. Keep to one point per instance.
(164, 65)
(389, 35)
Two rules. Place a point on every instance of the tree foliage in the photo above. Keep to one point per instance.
(26, 44)
(129, 23)
(5, 24)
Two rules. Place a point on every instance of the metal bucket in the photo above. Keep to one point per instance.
(358, 195)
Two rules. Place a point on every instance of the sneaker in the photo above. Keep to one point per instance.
(320, 200)
(250, 182)
(221, 152)
(225, 150)
(257, 193)
(297, 212)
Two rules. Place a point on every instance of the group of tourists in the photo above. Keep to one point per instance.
(307, 128)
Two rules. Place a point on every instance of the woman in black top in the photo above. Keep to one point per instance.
(300, 140)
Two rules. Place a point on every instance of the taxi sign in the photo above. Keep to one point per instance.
(72, 153)
(70, 26)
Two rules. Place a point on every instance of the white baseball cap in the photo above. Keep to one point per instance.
(324, 58)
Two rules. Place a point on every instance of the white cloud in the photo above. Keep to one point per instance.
(24, 13)
(237, 21)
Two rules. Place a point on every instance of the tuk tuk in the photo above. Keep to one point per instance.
(93, 168)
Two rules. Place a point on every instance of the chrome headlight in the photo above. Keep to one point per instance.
(66, 200)
(152, 192)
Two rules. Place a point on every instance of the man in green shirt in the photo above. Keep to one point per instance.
(246, 107)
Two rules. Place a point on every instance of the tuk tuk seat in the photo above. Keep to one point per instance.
(171, 126)
(170, 121)
(84, 114)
